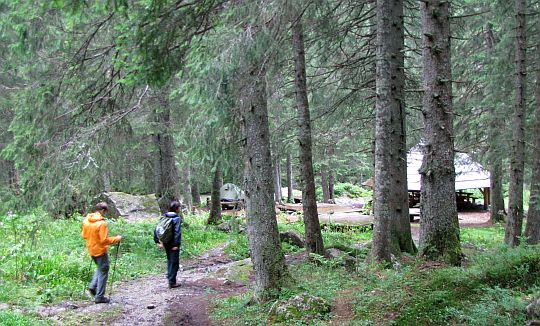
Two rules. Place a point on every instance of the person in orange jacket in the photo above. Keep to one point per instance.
(96, 234)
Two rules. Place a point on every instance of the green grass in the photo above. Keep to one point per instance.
(493, 289)
(43, 260)
(9, 318)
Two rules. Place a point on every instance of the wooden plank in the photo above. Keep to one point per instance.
(322, 208)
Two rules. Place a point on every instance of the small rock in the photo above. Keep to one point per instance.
(224, 227)
(4, 306)
(303, 307)
(150, 306)
(227, 282)
(533, 310)
(292, 238)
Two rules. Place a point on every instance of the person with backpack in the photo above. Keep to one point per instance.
(96, 234)
(167, 234)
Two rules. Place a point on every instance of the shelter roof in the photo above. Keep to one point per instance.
(469, 174)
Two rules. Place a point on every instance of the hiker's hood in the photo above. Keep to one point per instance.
(95, 217)
(171, 214)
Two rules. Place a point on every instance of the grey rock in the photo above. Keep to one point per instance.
(130, 207)
(348, 261)
(533, 310)
(224, 227)
(292, 238)
(303, 307)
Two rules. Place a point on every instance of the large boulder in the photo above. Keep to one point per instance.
(305, 307)
(130, 207)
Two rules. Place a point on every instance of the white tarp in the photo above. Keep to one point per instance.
(469, 174)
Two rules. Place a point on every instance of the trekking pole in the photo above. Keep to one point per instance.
(114, 268)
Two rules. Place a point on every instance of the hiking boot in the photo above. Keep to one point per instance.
(174, 285)
(102, 300)
(92, 291)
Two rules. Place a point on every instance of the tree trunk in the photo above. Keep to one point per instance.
(277, 178)
(439, 226)
(314, 241)
(331, 180)
(497, 211)
(517, 159)
(290, 195)
(195, 194)
(215, 206)
(186, 188)
(532, 229)
(268, 260)
(324, 183)
(167, 180)
(14, 179)
(392, 232)
(107, 181)
(330, 173)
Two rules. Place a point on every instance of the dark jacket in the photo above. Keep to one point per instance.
(177, 229)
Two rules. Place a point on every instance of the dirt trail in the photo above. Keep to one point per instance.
(149, 301)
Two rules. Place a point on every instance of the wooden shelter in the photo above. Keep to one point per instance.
(469, 175)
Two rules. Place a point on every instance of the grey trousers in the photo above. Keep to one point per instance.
(99, 280)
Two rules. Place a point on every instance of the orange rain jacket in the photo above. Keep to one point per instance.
(96, 234)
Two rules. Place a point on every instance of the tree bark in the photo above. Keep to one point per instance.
(167, 180)
(314, 241)
(392, 232)
(517, 159)
(497, 210)
(532, 229)
(290, 195)
(195, 194)
(277, 178)
(330, 173)
(271, 272)
(324, 183)
(215, 201)
(439, 226)
(186, 188)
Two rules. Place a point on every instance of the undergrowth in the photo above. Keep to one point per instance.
(44, 260)
(493, 289)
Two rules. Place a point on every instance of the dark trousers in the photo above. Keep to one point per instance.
(173, 261)
(99, 280)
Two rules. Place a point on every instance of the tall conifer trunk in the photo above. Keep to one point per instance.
(277, 177)
(532, 229)
(290, 196)
(195, 193)
(268, 260)
(186, 188)
(314, 241)
(215, 197)
(517, 159)
(497, 210)
(439, 227)
(167, 180)
(392, 232)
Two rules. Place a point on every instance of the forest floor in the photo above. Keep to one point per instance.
(149, 301)
(473, 219)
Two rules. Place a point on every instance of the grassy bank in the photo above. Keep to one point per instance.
(44, 260)
(492, 289)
